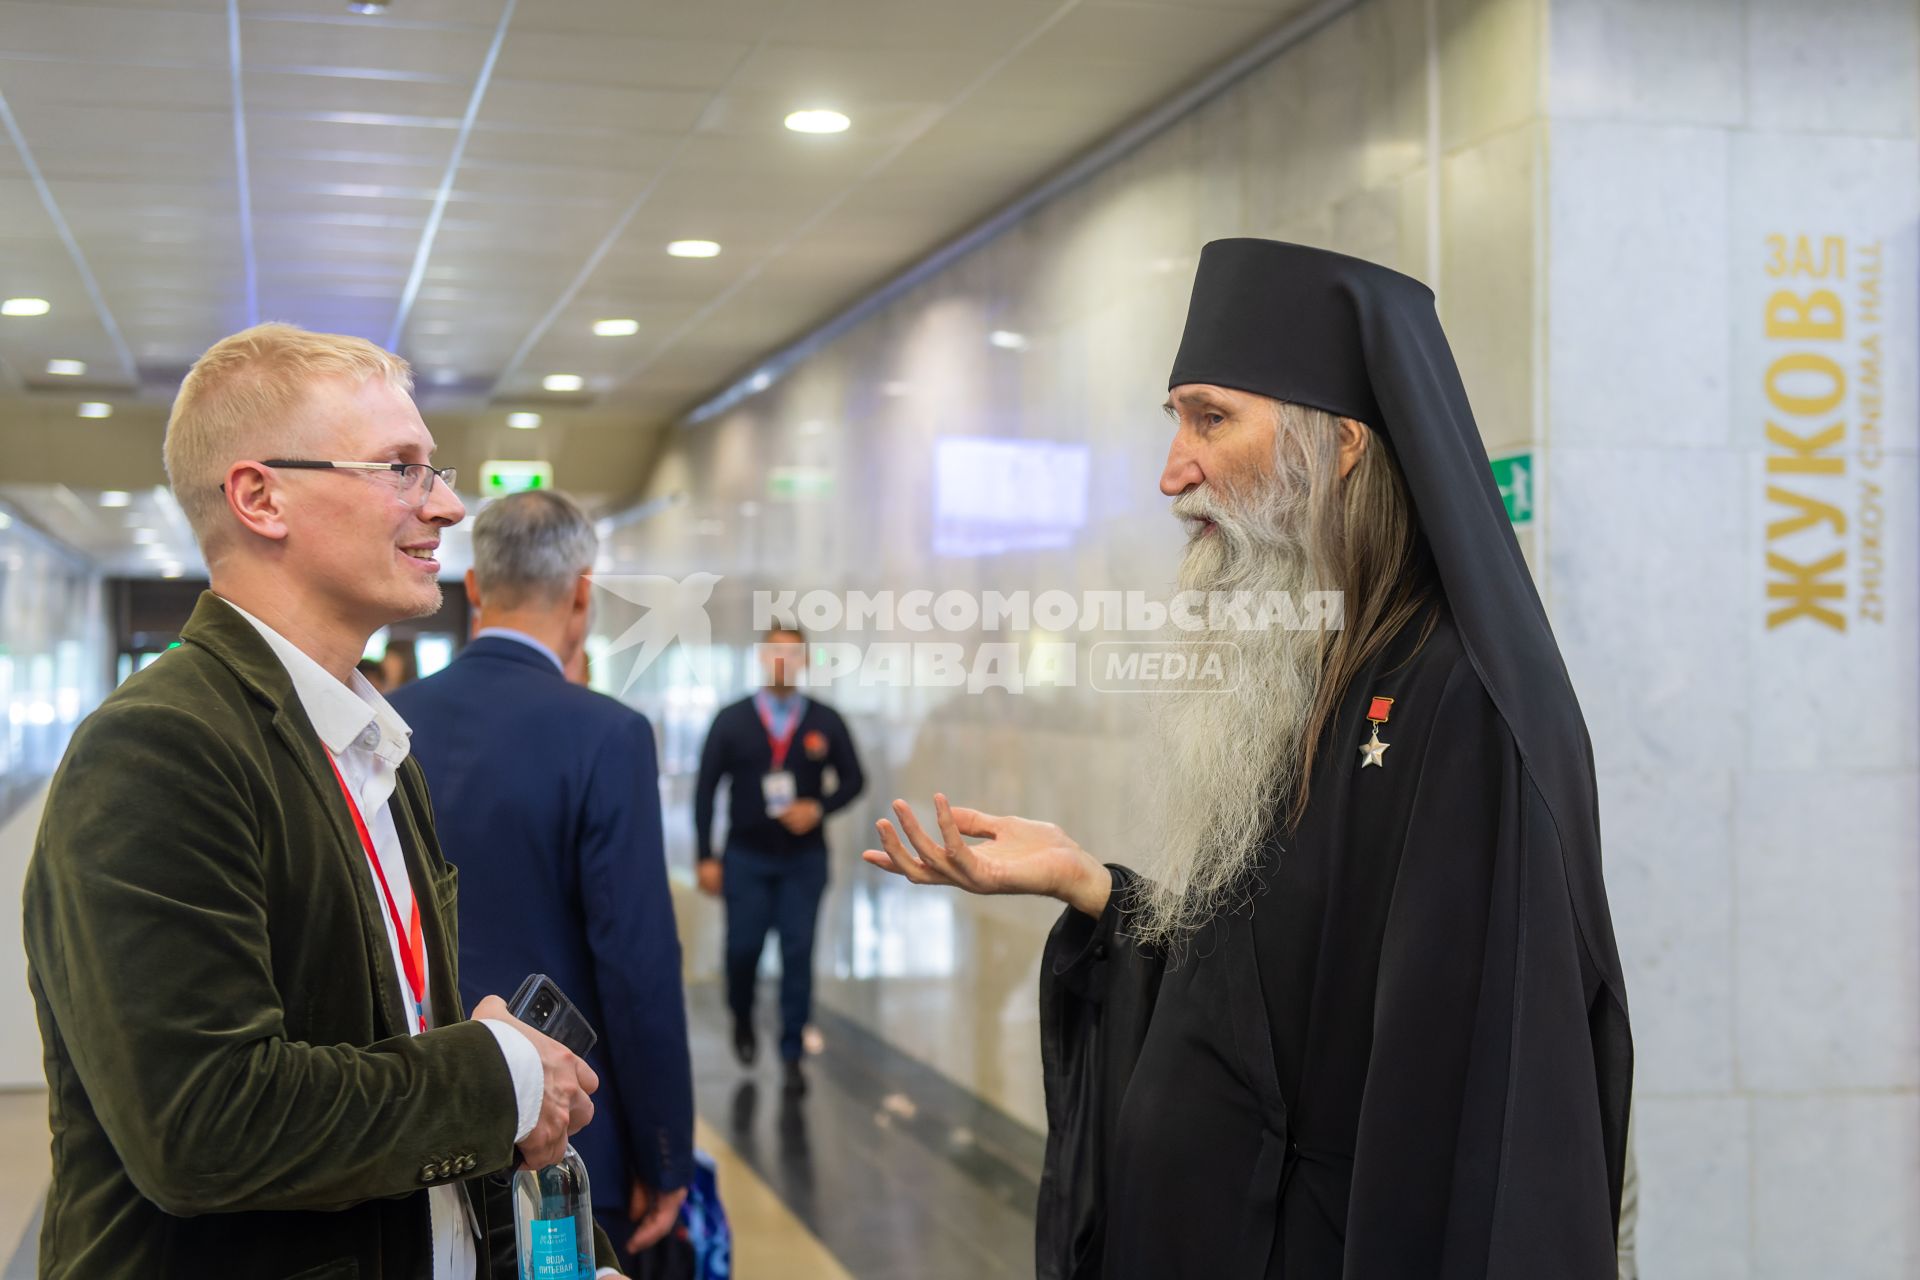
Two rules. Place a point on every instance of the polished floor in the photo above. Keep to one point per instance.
(884, 1170)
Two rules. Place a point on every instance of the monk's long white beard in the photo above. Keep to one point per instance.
(1225, 764)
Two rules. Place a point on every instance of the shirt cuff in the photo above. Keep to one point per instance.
(529, 1077)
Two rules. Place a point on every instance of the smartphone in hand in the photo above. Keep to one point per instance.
(542, 1005)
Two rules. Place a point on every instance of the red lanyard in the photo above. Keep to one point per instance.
(778, 744)
(413, 955)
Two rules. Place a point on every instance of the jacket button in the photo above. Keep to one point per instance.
(446, 1168)
(427, 1173)
(467, 1163)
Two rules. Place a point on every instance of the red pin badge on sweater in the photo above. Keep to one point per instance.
(1372, 750)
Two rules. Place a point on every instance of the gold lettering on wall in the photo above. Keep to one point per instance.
(1808, 392)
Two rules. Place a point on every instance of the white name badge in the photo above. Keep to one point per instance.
(779, 792)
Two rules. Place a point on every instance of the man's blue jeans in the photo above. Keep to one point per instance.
(779, 892)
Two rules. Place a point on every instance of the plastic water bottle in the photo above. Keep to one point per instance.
(553, 1221)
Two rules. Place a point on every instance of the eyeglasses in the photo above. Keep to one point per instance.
(416, 478)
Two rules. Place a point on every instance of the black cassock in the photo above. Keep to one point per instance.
(1407, 1054)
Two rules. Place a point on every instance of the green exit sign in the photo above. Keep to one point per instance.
(501, 476)
(798, 483)
(1514, 475)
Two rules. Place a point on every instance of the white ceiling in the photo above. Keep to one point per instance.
(140, 533)
(476, 181)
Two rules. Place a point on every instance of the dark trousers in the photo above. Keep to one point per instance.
(780, 892)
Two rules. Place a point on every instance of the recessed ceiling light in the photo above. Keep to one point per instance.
(615, 328)
(446, 377)
(1008, 340)
(144, 536)
(6, 521)
(694, 249)
(169, 570)
(370, 7)
(25, 307)
(96, 409)
(759, 382)
(563, 382)
(115, 498)
(523, 421)
(818, 121)
(67, 368)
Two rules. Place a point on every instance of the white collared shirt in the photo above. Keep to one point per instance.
(368, 741)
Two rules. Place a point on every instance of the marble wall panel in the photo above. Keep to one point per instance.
(1645, 593)
(1648, 60)
(1670, 872)
(1839, 68)
(1833, 1182)
(1827, 912)
(1694, 1157)
(1639, 339)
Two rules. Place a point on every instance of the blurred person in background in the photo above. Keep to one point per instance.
(548, 798)
(374, 674)
(239, 926)
(774, 748)
(399, 665)
(1360, 1015)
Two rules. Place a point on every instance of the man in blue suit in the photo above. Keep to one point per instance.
(548, 803)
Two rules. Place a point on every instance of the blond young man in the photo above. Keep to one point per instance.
(239, 925)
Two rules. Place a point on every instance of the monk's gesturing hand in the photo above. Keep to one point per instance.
(1016, 855)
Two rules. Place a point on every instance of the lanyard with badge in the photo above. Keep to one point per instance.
(778, 788)
(413, 953)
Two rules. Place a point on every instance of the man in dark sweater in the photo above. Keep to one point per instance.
(775, 747)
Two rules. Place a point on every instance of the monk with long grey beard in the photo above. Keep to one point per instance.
(1361, 1015)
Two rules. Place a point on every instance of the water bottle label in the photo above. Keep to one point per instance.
(553, 1250)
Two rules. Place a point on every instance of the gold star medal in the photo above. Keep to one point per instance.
(1372, 750)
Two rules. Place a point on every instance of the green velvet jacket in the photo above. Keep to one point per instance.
(233, 1092)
